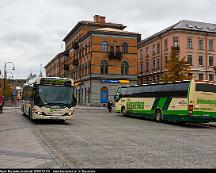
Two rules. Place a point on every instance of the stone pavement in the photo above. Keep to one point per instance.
(19, 147)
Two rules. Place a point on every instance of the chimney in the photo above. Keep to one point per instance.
(99, 19)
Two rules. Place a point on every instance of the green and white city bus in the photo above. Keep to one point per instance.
(48, 98)
(181, 101)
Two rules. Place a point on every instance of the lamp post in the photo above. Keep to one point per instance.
(5, 76)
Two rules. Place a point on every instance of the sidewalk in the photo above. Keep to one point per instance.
(19, 147)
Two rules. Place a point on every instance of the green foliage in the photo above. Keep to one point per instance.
(176, 69)
(7, 89)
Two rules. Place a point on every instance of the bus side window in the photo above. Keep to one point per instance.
(156, 91)
(181, 89)
(146, 91)
(168, 90)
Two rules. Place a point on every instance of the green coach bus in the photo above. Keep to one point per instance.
(180, 101)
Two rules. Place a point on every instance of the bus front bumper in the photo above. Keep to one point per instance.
(36, 116)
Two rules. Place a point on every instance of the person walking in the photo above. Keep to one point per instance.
(109, 106)
(1, 103)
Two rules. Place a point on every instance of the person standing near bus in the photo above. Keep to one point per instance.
(109, 105)
(1, 103)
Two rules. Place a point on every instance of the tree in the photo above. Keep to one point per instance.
(7, 89)
(176, 69)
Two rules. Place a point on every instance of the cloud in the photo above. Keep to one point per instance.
(32, 31)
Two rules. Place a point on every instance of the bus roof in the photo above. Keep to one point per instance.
(37, 80)
(162, 83)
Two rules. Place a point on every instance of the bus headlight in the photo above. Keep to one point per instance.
(39, 113)
(70, 113)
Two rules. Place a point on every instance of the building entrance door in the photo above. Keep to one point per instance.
(104, 95)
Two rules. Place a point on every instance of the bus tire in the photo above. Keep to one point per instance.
(158, 116)
(123, 111)
(30, 114)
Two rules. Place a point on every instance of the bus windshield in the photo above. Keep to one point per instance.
(54, 95)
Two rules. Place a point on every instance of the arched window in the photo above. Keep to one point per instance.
(124, 68)
(104, 46)
(124, 48)
(104, 67)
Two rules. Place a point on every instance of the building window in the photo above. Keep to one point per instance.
(124, 48)
(104, 67)
(211, 60)
(200, 60)
(83, 51)
(147, 51)
(111, 48)
(175, 42)
(124, 68)
(147, 80)
(153, 64)
(201, 76)
(190, 75)
(200, 44)
(86, 49)
(104, 46)
(211, 77)
(153, 49)
(158, 63)
(190, 59)
(82, 70)
(165, 45)
(141, 68)
(86, 69)
(141, 54)
(153, 79)
(117, 49)
(147, 66)
(166, 59)
(89, 47)
(211, 45)
(189, 43)
(158, 48)
(158, 79)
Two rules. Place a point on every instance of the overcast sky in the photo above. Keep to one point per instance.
(31, 31)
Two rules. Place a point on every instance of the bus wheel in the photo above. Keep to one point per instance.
(123, 111)
(30, 114)
(158, 116)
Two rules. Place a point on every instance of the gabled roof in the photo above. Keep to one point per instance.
(186, 25)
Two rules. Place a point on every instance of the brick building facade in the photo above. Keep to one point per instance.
(100, 56)
(193, 40)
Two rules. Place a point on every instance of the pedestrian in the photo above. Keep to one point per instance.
(109, 106)
(1, 103)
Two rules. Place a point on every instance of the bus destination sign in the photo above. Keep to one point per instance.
(55, 82)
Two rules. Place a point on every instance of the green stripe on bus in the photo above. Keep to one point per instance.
(161, 102)
(177, 112)
(154, 106)
(167, 103)
(201, 113)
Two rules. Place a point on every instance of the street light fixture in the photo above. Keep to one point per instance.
(5, 75)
